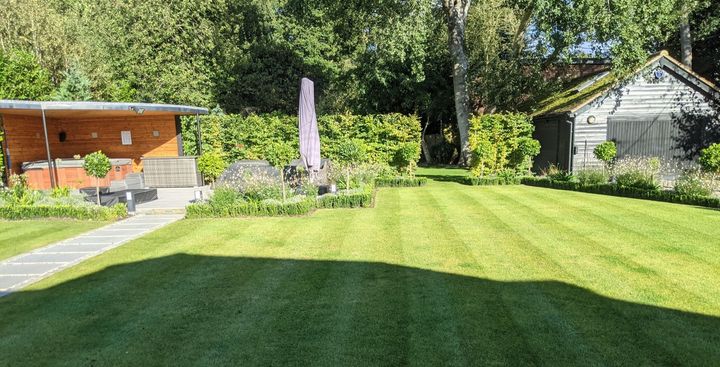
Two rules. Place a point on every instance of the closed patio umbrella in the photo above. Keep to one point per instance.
(309, 137)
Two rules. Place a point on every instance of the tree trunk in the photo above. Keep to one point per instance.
(457, 11)
(686, 52)
(424, 145)
(347, 180)
(519, 39)
(97, 190)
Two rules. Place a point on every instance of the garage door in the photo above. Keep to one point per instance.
(649, 136)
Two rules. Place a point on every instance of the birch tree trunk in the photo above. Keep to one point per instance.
(686, 51)
(456, 12)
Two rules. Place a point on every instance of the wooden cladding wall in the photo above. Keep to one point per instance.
(26, 143)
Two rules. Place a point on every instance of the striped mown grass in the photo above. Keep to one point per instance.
(444, 274)
(17, 237)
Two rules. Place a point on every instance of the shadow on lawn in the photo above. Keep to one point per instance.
(200, 310)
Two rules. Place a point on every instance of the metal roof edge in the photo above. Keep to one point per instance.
(100, 106)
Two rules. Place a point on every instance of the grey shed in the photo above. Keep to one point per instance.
(636, 112)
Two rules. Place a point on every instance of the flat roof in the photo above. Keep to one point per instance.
(93, 108)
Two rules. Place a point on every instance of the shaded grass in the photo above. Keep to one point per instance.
(17, 237)
(444, 274)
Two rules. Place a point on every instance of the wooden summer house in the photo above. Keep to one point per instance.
(47, 140)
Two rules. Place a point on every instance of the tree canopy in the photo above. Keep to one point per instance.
(367, 57)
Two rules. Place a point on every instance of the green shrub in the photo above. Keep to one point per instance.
(356, 198)
(60, 192)
(211, 165)
(555, 173)
(19, 193)
(275, 137)
(295, 206)
(710, 158)
(402, 181)
(492, 180)
(592, 176)
(90, 212)
(606, 152)
(694, 183)
(501, 141)
(406, 157)
(482, 154)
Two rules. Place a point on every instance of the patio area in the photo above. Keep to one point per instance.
(172, 200)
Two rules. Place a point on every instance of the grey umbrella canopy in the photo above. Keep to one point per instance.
(309, 137)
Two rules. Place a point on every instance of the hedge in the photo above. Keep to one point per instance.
(361, 199)
(491, 180)
(500, 142)
(400, 182)
(629, 192)
(364, 198)
(250, 208)
(274, 137)
(102, 213)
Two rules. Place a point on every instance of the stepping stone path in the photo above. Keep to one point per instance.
(22, 270)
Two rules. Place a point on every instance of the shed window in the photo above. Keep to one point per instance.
(126, 137)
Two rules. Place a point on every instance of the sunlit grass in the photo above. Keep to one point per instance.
(444, 274)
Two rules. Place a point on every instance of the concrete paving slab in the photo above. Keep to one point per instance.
(7, 281)
(72, 248)
(98, 239)
(120, 232)
(48, 258)
(26, 269)
(86, 241)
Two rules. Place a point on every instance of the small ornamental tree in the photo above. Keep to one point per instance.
(278, 156)
(606, 152)
(349, 153)
(710, 158)
(97, 165)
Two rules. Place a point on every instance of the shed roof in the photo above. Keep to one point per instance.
(95, 109)
(572, 100)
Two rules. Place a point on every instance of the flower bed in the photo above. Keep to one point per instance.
(630, 192)
(21, 202)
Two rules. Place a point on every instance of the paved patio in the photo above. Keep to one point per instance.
(22, 270)
(172, 200)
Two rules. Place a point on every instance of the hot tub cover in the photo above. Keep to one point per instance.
(70, 163)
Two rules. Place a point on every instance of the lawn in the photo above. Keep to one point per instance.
(443, 274)
(17, 237)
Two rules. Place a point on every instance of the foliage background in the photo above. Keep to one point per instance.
(273, 137)
(502, 142)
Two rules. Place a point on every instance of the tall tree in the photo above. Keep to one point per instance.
(686, 54)
(456, 13)
(75, 86)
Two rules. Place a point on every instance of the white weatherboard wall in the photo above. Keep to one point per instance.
(642, 96)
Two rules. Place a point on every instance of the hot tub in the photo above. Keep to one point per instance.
(69, 173)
